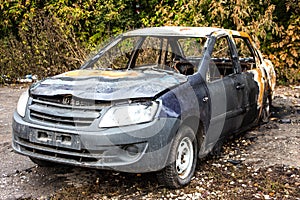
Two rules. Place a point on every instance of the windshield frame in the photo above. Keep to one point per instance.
(172, 43)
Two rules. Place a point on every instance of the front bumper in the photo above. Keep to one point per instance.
(137, 148)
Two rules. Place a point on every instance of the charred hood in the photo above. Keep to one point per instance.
(108, 85)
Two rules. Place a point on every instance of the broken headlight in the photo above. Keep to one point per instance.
(123, 115)
(21, 107)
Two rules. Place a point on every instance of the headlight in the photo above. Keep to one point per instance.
(21, 107)
(124, 115)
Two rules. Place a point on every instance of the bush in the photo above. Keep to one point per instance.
(47, 38)
(285, 53)
(44, 47)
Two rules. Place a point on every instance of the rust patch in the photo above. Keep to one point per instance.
(260, 82)
(271, 75)
(215, 33)
(243, 34)
(110, 74)
(184, 29)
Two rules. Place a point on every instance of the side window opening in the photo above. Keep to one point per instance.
(149, 52)
(221, 63)
(192, 47)
(245, 53)
(183, 54)
(192, 50)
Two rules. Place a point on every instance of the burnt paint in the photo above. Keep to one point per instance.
(145, 84)
(252, 90)
(242, 95)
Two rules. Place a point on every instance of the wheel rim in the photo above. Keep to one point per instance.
(184, 158)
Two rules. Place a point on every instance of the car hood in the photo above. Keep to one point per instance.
(109, 85)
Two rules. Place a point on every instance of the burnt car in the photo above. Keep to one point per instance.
(153, 99)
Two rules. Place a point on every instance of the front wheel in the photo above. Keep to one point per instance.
(182, 160)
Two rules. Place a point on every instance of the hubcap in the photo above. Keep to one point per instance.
(184, 157)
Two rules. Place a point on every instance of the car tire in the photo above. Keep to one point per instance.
(43, 163)
(182, 160)
(265, 114)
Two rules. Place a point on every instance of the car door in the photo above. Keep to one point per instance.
(249, 62)
(226, 89)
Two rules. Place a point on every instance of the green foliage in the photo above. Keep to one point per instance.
(243, 15)
(46, 38)
(43, 46)
(94, 20)
(286, 52)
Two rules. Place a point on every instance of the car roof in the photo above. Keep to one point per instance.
(183, 31)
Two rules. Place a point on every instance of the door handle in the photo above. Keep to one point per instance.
(205, 99)
(240, 86)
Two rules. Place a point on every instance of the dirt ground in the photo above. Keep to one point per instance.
(263, 163)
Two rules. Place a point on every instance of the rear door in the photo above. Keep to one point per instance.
(249, 62)
(227, 90)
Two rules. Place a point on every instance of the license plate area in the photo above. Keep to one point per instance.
(55, 139)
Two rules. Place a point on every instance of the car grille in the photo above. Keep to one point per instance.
(65, 110)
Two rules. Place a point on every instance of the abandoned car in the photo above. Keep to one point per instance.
(153, 99)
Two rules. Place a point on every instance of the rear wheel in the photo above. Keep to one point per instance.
(182, 160)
